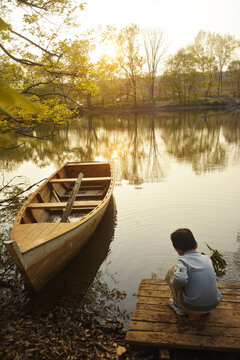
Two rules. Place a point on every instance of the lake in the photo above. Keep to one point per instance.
(171, 170)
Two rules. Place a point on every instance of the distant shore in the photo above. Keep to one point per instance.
(229, 104)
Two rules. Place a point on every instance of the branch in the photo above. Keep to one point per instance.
(32, 5)
(33, 43)
(37, 137)
(61, 73)
(12, 147)
(21, 61)
(37, 84)
(15, 196)
(58, 94)
(9, 182)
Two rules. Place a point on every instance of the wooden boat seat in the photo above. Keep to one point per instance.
(87, 193)
(92, 163)
(73, 180)
(62, 205)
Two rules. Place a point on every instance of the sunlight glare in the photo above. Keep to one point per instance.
(104, 49)
(115, 155)
(109, 50)
(99, 158)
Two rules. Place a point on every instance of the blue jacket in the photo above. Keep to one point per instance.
(196, 276)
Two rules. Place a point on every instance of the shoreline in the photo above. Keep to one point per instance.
(165, 106)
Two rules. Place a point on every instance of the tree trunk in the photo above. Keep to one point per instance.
(220, 83)
(221, 76)
(152, 90)
(238, 88)
(88, 98)
(135, 95)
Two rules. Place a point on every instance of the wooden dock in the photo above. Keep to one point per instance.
(154, 323)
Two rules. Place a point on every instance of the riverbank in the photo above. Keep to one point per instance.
(65, 332)
(40, 326)
(228, 104)
(76, 333)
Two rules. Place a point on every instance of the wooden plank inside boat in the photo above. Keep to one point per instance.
(154, 323)
(72, 197)
(89, 169)
(85, 180)
(86, 193)
(62, 205)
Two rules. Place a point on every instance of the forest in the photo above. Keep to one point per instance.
(49, 70)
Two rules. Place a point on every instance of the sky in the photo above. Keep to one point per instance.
(180, 20)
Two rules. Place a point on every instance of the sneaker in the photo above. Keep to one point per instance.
(205, 313)
(174, 305)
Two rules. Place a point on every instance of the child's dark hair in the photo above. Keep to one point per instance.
(183, 239)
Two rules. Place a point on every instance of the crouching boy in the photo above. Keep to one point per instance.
(192, 280)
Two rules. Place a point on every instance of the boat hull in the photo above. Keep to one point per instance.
(41, 263)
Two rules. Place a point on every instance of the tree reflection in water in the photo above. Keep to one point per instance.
(144, 143)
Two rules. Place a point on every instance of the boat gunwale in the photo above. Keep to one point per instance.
(78, 223)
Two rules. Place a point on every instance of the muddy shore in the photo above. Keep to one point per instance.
(75, 332)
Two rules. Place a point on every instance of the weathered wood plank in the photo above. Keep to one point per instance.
(216, 317)
(149, 282)
(28, 241)
(62, 205)
(24, 229)
(41, 230)
(73, 180)
(155, 302)
(163, 294)
(163, 288)
(86, 193)
(92, 163)
(157, 338)
(198, 329)
(71, 199)
(154, 323)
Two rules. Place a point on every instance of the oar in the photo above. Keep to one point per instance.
(71, 199)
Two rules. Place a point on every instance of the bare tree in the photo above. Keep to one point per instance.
(234, 70)
(129, 58)
(223, 47)
(155, 49)
(204, 57)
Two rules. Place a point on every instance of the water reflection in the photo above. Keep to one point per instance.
(144, 143)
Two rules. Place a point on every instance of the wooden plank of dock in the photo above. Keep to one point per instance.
(154, 323)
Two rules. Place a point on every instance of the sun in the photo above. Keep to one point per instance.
(104, 49)
(110, 50)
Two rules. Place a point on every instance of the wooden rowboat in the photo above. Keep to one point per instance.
(58, 219)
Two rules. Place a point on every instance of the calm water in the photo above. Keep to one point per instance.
(171, 170)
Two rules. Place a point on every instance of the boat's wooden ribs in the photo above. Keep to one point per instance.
(32, 217)
(62, 205)
(39, 197)
(58, 177)
(56, 197)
